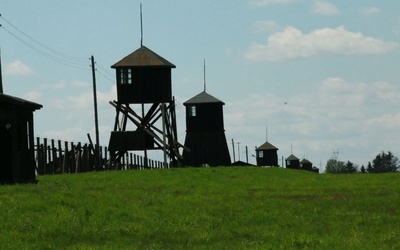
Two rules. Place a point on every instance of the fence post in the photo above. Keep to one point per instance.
(123, 162)
(134, 162)
(106, 163)
(45, 166)
(101, 160)
(60, 158)
(85, 162)
(50, 168)
(53, 157)
(131, 159)
(78, 157)
(39, 157)
(56, 158)
(65, 160)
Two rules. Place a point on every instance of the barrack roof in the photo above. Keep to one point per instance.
(19, 102)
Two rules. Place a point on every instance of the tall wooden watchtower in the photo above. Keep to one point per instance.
(205, 133)
(145, 101)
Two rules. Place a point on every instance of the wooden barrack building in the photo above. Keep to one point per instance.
(17, 161)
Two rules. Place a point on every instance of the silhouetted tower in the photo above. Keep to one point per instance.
(306, 165)
(1, 78)
(267, 155)
(293, 162)
(205, 133)
(144, 98)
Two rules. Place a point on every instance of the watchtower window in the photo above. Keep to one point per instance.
(192, 111)
(125, 76)
(260, 154)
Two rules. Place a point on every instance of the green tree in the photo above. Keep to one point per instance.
(334, 166)
(369, 167)
(384, 162)
(351, 167)
(362, 169)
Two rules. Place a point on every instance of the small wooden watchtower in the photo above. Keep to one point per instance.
(267, 155)
(145, 99)
(292, 162)
(205, 133)
(306, 165)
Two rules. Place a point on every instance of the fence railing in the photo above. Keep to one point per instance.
(59, 157)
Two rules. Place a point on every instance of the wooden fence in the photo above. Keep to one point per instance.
(59, 157)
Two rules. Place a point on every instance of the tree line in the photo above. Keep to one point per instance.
(383, 163)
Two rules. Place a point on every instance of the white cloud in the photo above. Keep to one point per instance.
(264, 26)
(83, 102)
(18, 68)
(370, 11)
(63, 84)
(73, 134)
(292, 43)
(385, 121)
(33, 96)
(268, 2)
(325, 8)
(80, 84)
(59, 85)
(73, 115)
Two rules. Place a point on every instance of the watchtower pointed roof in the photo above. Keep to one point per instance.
(203, 97)
(305, 161)
(143, 57)
(266, 146)
(292, 157)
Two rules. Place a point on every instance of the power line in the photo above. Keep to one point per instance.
(105, 70)
(105, 76)
(45, 54)
(49, 56)
(61, 58)
(69, 57)
(50, 53)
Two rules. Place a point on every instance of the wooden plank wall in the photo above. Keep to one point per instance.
(59, 157)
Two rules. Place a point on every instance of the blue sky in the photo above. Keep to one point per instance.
(335, 63)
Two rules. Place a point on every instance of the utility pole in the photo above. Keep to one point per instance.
(233, 147)
(163, 113)
(1, 78)
(247, 155)
(96, 119)
(238, 143)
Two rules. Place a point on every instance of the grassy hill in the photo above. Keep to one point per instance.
(203, 208)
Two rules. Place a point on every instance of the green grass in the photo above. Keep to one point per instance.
(203, 208)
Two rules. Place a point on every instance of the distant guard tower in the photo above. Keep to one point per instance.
(144, 98)
(293, 162)
(267, 155)
(205, 133)
(306, 165)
